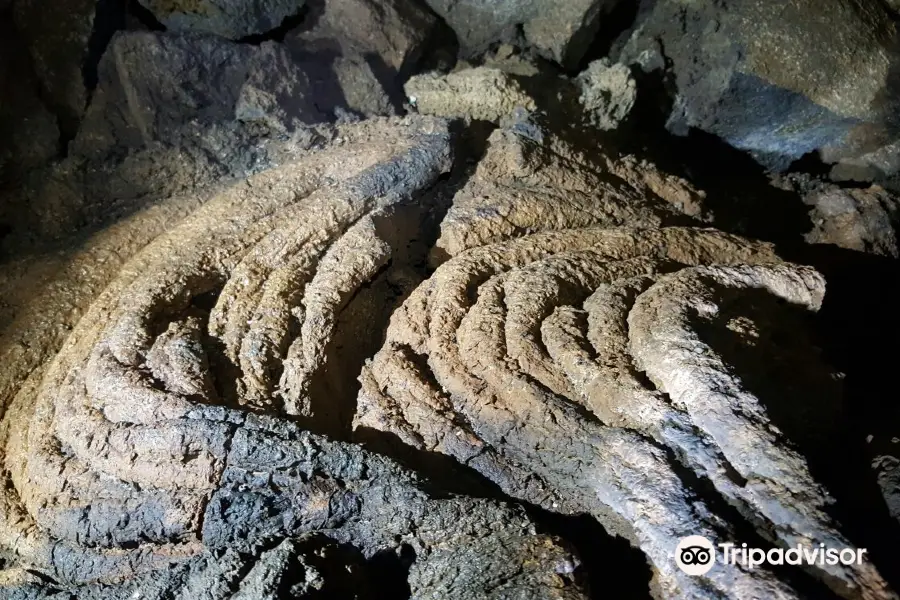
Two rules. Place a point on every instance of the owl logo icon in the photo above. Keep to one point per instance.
(695, 555)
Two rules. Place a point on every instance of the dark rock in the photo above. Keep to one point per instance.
(861, 219)
(856, 219)
(359, 52)
(393, 32)
(58, 41)
(231, 19)
(561, 31)
(29, 136)
(776, 79)
(163, 87)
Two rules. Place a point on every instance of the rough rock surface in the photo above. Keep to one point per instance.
(608, 93)
(480, 93)
(583, 369)
(231, 19)
(58, 46)
(529, 183)
(359, 52)
(394, 33)
(138, 447)
(886, 465)
(777, 79)
(855, 218)
(161, 87)
(562, 31)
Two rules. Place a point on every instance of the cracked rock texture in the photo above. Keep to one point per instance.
(135, 459)
(608, 93)
(481, 94)
(857, 219)
(776, 79)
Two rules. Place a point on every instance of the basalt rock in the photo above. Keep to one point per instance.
(863, 219)
(584, 368)
(561, 31)
(394, 33)
(608, 93)
(149, 454)
(778, 80)
(481, 94)
(233, 19)
(161, 87)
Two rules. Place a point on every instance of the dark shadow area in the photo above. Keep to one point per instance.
(110, 17)
(764, 341)
(857, 329)
(143, 16)
(612, 24)
(326, 570)
(611, 567)
(278, 34)
(739, 191)
(609, 564)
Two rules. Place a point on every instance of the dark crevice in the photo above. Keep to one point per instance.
(612, 25)
(142, 15)
(610, 566)
(109, 17)
(278, 34)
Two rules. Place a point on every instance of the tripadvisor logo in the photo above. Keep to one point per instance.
(696, 555)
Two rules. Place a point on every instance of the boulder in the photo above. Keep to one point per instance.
(58, 42)
(391, 33)
(608, 93)
(480, 93)
(172, 88)
(232, 19)
(862, 219)
(359, 52)
(777, 79)
(560, 31)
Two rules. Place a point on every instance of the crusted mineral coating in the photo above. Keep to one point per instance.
(576, 368)
(139, 446)
(525, 185)
(482, 93)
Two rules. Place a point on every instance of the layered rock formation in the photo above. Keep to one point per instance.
(581, 368)
(140, 447)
